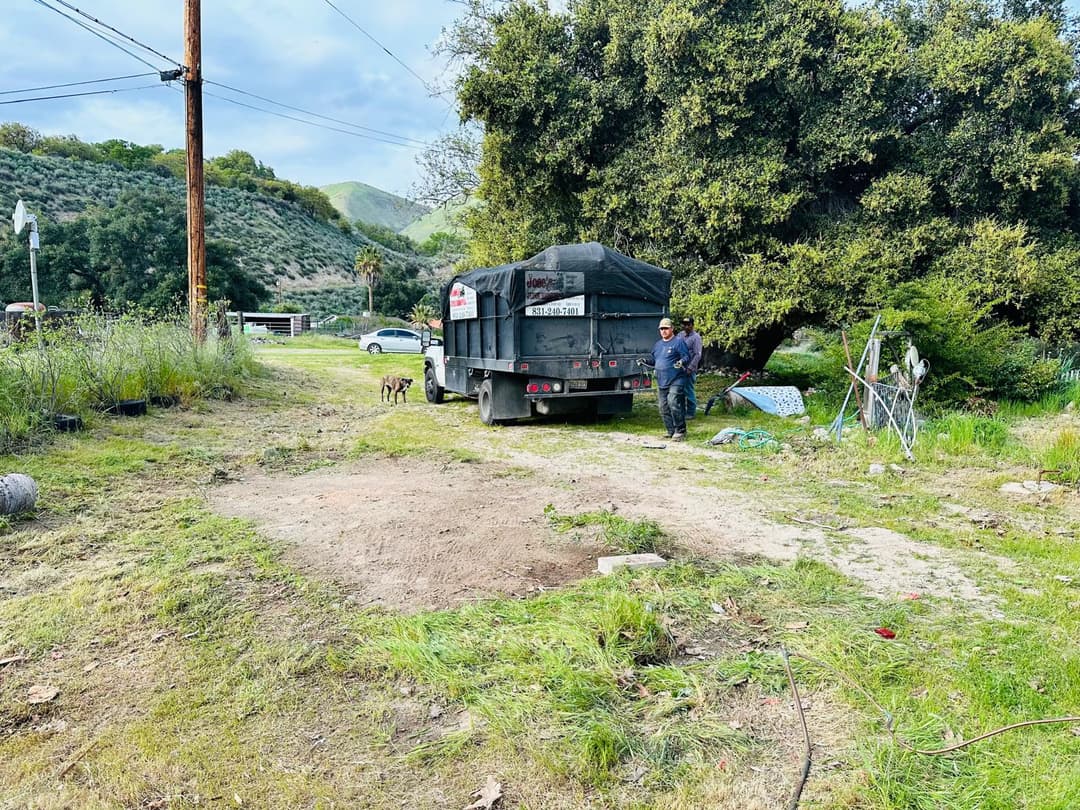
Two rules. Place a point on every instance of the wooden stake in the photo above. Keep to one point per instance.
(858, 400)
(196, 210)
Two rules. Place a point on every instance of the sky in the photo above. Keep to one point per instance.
(300, 53)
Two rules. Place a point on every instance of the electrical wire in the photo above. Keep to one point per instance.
(311, 123)
(318, 115)
(890, 720)
(119, 33)
(75, 84)
(97, 34)
(796, 794)
(359, 28)
(76, 95)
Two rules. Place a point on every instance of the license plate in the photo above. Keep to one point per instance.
(578, 385)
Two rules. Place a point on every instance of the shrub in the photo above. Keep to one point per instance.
(968, 351)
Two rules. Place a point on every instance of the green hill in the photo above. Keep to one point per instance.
(276, 241)
(361, 201)
(445, 218)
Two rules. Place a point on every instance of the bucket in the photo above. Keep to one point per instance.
(18, 493)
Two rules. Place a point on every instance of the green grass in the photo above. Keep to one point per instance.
(224, 672)
(620, 534)
(89, 366)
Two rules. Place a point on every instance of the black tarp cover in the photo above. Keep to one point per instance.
(603, 270)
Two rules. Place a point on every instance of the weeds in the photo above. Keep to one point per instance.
(620, 534)
(95, 362)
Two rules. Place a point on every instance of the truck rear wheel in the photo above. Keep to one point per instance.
(432, 390)
(486, 402)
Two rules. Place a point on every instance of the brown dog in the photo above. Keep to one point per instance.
(397, 385)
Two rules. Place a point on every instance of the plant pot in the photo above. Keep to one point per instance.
(128, 407)
(164, 401)
(67, 422)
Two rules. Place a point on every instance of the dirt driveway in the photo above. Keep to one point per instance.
(412, 534)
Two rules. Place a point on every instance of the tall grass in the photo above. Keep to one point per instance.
(94, 362)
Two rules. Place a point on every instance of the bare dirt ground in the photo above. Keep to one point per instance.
(412, 535)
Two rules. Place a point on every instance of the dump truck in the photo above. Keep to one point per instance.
(563, 332)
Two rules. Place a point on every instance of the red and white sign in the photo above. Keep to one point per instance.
(462, 302)
(542, 286)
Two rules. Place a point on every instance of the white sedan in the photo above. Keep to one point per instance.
(391, 339)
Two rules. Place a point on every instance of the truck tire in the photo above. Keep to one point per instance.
(374, 348)
(485, 400)
(432, 390)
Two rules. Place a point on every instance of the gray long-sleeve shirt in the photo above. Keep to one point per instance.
(693, 343)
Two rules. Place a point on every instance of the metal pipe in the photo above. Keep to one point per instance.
(851, 388)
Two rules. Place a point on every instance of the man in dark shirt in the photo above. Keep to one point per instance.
(670, 357)
(693, 343)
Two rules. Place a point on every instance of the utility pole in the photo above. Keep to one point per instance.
(196, 209)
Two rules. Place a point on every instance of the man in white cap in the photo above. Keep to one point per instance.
(670, 357)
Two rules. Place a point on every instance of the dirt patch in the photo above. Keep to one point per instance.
(415, 536)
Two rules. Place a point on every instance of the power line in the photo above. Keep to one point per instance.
(359, 28)
(318, 115)
(118, 33)
(311, 123)
(75, 84)
(76, 95)
(97, 34)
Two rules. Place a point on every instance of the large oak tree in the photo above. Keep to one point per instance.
(792, 161)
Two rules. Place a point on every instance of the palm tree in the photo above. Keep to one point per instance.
(422, 315)
(368, 265)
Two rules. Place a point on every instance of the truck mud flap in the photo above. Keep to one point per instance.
(508, 397)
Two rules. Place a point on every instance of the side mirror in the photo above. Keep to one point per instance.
(425, 338)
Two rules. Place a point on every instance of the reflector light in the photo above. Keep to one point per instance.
(612, 363)
(648, 383)
(546, 388)
(524, 367)
(637, 383)
(577, 364)
(596, 364)
(533, 388)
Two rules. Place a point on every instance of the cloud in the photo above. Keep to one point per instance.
(301, 54)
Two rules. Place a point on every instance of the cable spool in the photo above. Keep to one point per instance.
(18, 493)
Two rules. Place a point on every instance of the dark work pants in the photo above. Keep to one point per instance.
(691, 397)
(672, 402)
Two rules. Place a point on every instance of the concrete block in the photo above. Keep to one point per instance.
(605, 565)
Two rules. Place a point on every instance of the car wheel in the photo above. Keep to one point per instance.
(374, 348)
(432, 390)
(486, 403)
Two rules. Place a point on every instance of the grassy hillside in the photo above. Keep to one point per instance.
(275, 239)
(444, 218)
(370, 204)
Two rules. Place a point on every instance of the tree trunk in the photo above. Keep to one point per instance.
(370, 298)
(763, 343)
